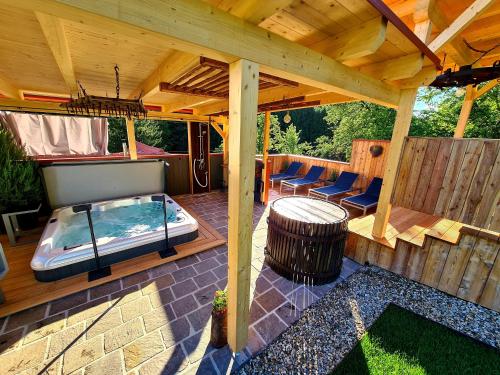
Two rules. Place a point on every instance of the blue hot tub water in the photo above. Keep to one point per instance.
(116, 222)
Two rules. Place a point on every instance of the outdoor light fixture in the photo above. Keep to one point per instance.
(287, 118)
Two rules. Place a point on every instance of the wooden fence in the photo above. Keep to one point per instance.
(458, 179)
(361, 162)
(460, 260)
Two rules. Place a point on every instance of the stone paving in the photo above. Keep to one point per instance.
(156, 321)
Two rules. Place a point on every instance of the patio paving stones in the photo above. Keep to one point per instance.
(175, 331)
(156, 321)
(122, 335)
(19, 360)
(81, 355)
(158, 317)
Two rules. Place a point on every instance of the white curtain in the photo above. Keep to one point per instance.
(58, 135)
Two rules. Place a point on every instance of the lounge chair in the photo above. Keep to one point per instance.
(367, 199)
(342, 185)
(310, 178)
(291, 172)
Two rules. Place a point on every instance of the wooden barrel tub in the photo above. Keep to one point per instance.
(306, 239)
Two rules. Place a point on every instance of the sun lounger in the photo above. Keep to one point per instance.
(310, 178)
(367, 199)
(291, 172)
(342, 185)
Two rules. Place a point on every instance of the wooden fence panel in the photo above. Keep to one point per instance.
(458, 179)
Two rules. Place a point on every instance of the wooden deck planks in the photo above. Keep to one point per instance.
(22, 291)
(445, 254)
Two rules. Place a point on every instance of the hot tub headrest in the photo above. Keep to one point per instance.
(73, 183)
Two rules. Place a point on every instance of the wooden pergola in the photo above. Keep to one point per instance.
(225, 60)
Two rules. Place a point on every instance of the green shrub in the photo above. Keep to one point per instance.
(20, 185)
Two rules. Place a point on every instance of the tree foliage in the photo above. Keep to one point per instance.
(328, 131)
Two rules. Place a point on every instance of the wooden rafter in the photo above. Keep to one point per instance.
(354, 43)
(457, 26)
(219, 35)
(401, 26)
(211, 79)
(277, 103)
(53, 30)
(7, 89)
(487, 87)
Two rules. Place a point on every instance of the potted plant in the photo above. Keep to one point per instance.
(333, 178)
(20, 185)
(218, 334)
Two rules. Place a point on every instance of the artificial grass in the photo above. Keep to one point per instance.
(401, 342)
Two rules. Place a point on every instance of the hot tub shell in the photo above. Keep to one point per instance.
(50, 264)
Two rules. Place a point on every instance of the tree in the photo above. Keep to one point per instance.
(275, 126)
(288, 141)
(349, 121)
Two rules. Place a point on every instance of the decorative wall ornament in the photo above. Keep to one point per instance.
(376, 150)
(92, 105)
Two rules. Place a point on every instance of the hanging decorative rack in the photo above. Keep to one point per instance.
(92, 105)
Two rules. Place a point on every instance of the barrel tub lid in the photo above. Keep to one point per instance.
(309, 210)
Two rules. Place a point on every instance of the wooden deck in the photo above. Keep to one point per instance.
(456, 258)
(23, 291)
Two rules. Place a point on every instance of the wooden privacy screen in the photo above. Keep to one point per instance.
(458, 179)
(361, 162)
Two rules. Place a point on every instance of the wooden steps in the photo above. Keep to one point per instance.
(458, 259)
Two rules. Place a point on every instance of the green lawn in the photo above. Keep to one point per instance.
(401, 342)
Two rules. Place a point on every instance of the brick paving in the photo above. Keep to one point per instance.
(156, 321)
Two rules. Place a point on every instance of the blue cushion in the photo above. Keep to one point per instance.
(374, 187)
(279, 176)
(346, 180)
(331, 190)
(314, 173)
(293, 168)
(362, 199)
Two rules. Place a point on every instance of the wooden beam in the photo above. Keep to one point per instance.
(265, 156)
(53, 30)
(7, 89)
(55, 108)
(400, 131)
(423, 78)
(254, 11)
(395, 69)
(194, 26)
(384, 10)
(218, 129)
(132, 146)
(457, 26)
(243, 91)
(470, 92)
(225, 152)
(483, 90)
(360, 41)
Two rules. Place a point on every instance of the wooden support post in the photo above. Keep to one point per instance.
(465, 112)
(225, 153)
(190, 157)
(400, 131)
(265, 157)
(132, 146)
(243, 95)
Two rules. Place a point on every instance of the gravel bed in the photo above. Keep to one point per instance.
(331, 327)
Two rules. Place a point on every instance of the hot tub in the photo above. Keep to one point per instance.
(124, 229)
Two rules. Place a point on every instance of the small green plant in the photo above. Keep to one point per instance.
(20, 185)
(220, 301)
(334, 176)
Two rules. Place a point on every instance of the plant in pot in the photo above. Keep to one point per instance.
(333, 178)
(20, 185)
(218, 334)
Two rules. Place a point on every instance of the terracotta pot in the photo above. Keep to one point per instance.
(218, 335)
